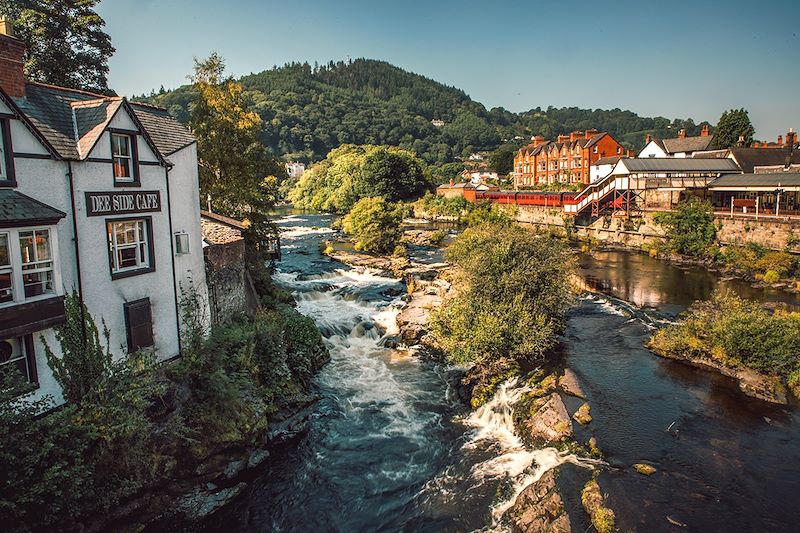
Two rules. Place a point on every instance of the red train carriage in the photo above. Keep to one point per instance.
(539, 198)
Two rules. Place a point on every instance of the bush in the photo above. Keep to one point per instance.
(735, 331)
(771, 276)
(743, 258)
(781, 263)
(690, 228)
(513, 291)
(375, 223)
(490, 213)
(436, 206)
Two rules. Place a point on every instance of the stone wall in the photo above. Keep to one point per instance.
(770, 233)
(227, 281)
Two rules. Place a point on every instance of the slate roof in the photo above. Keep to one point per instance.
(466, 185)
(218, 229)
(609, 160)
(749, 158)
(775, 179)
(167, 134)
(687, 144)
(19, 210)
(677, 164)
(71, 121)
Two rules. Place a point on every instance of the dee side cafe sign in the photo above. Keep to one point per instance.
(122, 203)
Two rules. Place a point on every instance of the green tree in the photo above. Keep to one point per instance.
(65, 41)
(375, 223)
(396, 175)
(514, 290)
(733, 125)
(502, 161)
(690, 228)
(235, 168)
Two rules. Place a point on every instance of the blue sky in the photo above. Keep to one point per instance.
(674, 59)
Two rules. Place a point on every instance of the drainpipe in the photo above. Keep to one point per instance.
(167, 168)
(71, 179)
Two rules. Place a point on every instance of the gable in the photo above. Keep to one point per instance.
(121, 121)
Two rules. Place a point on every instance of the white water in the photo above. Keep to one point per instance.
(494, 424)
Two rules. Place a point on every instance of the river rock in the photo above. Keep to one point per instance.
(569, 384)
(645, 469)
(551, 423)
(413, 318)
(582, 415)
(539, 508)
(595, 505)
(201, 503)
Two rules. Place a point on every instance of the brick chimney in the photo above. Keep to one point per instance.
(589, 133)
(780, 140)
(791, 137)
(704, 131)
(537, 140)
(12, 54)
(563, 138)
(575, 135)
(682, 133)
(648, 139)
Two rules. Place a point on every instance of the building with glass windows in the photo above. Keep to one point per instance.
(98, 196)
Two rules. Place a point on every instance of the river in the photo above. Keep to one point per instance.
(389, 448)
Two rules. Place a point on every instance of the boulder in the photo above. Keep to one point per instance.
(645, 469)
(582, 415)
(551, 423)
(595, 505)
(539, 508)
(569, 384)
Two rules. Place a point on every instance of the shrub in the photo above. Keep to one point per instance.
(436, 206)
(735, 331)
(490, 213)
(513, 290)
(690, 228)
(771, 276)
(743, 258)
(781, 263)
(375, 224)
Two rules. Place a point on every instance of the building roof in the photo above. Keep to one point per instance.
(72, 121)
(19, 210)
(613, 160)
(167, 134)
(772, 180)
(749, 158)
(687, 144)
(466, 185)
(219, 229)
(675, 164)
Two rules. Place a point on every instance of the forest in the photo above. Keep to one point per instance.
(310, 109)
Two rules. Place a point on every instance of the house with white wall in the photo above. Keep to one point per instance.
(680, 146)
(98, 196)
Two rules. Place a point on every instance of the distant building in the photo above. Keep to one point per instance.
(295, 169)
(565, 160)
(475, 156)
(680, 146)
(479, 176)
(437, 122)
(603, 167)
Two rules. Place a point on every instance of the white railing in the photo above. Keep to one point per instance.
(594, 192)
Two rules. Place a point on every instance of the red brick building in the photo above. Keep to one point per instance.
(566, 160)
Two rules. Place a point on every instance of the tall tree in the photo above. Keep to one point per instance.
(235, 168)
(733, 125)
(65, 41)
(502, 160)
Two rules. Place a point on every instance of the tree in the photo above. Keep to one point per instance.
(733, 125)
(235, 168)
(375, 223)
(502, 161)
(65, 42)
(690, 228)
(514, 290)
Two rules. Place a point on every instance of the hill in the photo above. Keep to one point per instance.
(309, 110)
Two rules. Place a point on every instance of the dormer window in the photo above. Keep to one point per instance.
(124, 160)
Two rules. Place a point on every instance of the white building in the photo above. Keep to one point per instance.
(602, 167)
(680, 146)
(98, 195)
(295, 169)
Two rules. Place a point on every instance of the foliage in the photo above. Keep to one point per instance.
(690, 228)
(782, 263)
(311, 110)
(350, 173)
(753, 259)
(375, 224)
(84, 362)
(513, 290)
(436, 206)
(65, 42)
(145, 425)
(236, 170)
(502, 160)
(490, 213)
(446, 172)
(732, 126)
(736, 332)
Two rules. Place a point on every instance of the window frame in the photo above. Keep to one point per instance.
(15, 257)
(126, 309)
(179, 250)
(134, 180)
(148, 231)
(9, 177)
(8, 268)
(26, 343)
(37, 269)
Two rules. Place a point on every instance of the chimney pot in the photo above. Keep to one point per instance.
(648, 138)
(682, 133)
(704, 131)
